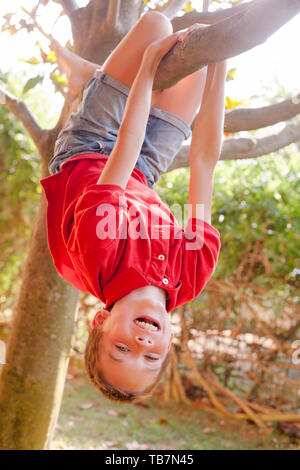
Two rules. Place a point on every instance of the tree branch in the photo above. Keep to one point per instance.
(69, 6)
(258, 147)
(71, 9)
(129, 12)
(206, 17)
(205, 5)
(32, 16)
(110, 23)
(242, 148)
(171, 8)
(248, 119)
(20, 110)
(228, 38)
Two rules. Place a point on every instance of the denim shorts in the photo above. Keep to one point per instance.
(94, 128)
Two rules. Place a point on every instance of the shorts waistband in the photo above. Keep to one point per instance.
(156, 112)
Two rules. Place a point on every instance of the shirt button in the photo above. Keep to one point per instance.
(165, 280)
(189, 237)
(162, 257)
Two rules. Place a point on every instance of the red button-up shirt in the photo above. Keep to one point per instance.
(108, 241)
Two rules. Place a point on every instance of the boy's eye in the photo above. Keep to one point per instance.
(121, 348)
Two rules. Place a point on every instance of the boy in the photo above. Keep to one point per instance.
(109, 233)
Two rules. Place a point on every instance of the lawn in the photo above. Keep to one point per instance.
(89, 421)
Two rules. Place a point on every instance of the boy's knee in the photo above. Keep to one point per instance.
(158, 20)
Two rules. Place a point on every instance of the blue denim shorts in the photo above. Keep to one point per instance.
(94, 128)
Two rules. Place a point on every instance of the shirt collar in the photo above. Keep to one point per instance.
(122, 284)
(130, 279)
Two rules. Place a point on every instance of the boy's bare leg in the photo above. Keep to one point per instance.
(132, 129)
(184, 98)
(124, 61)
(78, 70)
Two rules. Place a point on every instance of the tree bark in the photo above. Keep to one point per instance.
(20, 110)
(69, 6)
(171, 8)
(234, 149)
(207, 17)
(32, 381)
(228, 38)
(249, 119)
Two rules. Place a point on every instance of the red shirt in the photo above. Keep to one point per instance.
(80, 212)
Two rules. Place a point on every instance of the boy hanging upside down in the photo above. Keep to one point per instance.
(109, 232)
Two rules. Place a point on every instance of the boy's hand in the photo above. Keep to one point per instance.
(188, 31)
(158, 49)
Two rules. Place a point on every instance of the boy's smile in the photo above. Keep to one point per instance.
(148, 324)
(135, 341)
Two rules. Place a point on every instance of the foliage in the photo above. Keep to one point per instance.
(19, 195)
(253, 200)
(244, 323)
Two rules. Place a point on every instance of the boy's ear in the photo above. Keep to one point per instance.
(99, 318)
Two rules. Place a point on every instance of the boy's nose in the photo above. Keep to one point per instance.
(144, 340)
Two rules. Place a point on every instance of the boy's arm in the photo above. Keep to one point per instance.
(207, 141)
(132, 130)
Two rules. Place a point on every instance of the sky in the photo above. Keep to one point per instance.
(261, 70)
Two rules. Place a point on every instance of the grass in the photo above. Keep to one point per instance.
(89, 421)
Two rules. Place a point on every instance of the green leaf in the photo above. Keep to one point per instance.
(25, 10)
(51, 57)
(232, 103)
(58, 78)
(32, 82)
(230, 74)
(12, 30)
(188, 7)
(59, 81)
(32, 61)
(69, 46)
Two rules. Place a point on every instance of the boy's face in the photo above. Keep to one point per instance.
(133, 350)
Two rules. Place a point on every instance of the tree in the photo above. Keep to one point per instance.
(33, 378)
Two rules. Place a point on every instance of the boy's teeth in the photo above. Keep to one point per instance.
(146, 325)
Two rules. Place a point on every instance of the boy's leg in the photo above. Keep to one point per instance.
(184, 98)
(175, 109)
(124, 61)
(94, 126)
(97, 120)
(78, 70)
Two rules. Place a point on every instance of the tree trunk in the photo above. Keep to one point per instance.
(32, 381)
